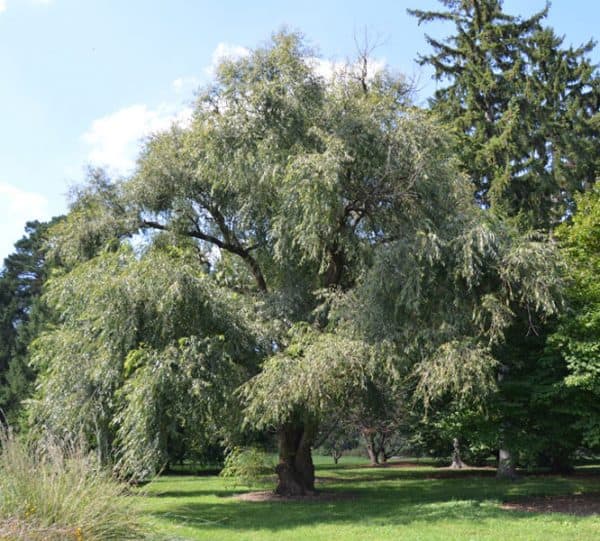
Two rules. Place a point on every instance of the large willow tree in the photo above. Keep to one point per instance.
(335, 210)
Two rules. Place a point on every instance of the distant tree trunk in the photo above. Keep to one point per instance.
(457, 462)
(295, 470)
(561, 463)
(506, 466)
(336, 454)
(369, 436)
(381, 448)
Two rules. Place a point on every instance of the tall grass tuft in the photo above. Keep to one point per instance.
(50, 490)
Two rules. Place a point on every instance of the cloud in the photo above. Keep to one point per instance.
(185, 84)
(328, 68)
(114, 140)
(18, 206)
(225, 51)
(2, 6)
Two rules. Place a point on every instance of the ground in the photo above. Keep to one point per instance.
(361, 503)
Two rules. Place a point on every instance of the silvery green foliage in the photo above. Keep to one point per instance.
(143, 345)
(327, 217)
(317, 372)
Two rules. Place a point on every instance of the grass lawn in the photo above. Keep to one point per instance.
(407, 503)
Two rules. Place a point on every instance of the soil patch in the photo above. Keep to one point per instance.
(396, 464)
(320, 496)
(450, 473)
(580, 504)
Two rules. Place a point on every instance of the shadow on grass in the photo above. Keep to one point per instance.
(397, 498)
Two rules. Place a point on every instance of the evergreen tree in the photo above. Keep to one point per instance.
(524, 109)
(21, 280)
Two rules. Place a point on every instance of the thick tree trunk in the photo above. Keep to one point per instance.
(295, 470)
(457, 462)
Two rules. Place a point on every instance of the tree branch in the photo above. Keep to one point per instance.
(233, 247)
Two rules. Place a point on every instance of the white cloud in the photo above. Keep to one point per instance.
(328, 68)
(3, 5)
(225, 51)
(18, 206)
(185, 84)
(114, 140)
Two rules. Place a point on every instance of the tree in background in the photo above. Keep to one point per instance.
(21, 279)
(576, 341)
(523, 107)
(525, 113)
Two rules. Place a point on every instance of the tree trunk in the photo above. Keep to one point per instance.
(506, 467)
(369, 436)
(295, 470)
(457, 462)
(561, 463)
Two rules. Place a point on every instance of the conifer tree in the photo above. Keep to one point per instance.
(524, 108)
(21, 279)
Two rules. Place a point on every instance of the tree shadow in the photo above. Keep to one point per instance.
(397, 499)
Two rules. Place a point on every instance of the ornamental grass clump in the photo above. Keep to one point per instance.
(52, 490)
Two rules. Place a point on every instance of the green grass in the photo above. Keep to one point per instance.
(388, 504)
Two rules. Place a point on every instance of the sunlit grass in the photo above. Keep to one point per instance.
(378, 504)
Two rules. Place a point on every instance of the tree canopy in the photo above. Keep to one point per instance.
(300, 244)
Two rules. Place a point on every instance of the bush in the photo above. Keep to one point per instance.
(247, 466)
(51, 491)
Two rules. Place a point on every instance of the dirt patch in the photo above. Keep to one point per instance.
(450, 473)
(580, 504)
(396, 464)
(270, 496)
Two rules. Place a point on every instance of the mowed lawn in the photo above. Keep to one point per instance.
(363, 503)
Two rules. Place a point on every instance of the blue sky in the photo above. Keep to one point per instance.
(84, 80)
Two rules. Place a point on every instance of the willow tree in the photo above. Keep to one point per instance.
(337, 210)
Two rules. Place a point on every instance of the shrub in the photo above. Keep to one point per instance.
(51, 491)
(247, 466)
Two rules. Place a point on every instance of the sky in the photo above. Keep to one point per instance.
(83, 81)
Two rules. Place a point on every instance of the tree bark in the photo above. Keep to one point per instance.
(369, 436)
(295, 471)
(506, 466)
(457, 462)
